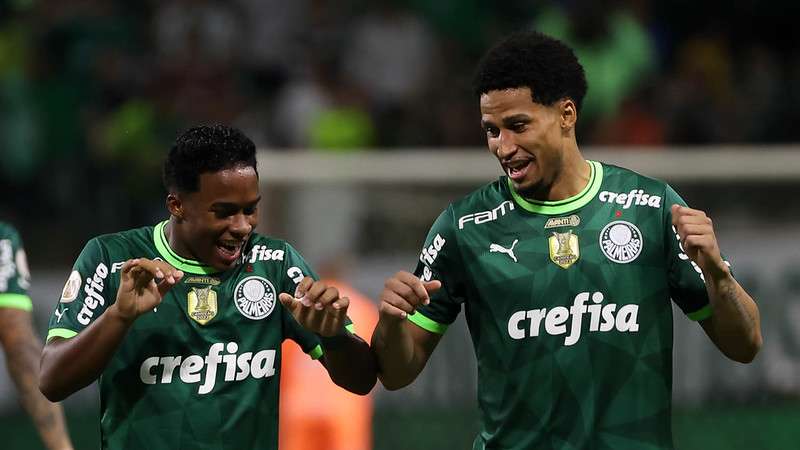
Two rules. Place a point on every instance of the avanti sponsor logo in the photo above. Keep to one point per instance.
(486, 216)
(193, 369)
(636, 197)
(562, 320)
(94, 294)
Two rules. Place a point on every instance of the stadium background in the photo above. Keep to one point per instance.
(368, 128)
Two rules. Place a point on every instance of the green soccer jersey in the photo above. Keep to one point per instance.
(14, 274)
(568, 307)
(200, 371)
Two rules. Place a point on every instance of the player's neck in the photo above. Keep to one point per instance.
(574, 176)
(571, 180)
(175, 242)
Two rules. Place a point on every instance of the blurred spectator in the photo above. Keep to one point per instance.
(315, 413)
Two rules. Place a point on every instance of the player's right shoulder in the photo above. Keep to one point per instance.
(487, 203)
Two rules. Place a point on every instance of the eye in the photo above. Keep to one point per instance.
(222, 213)
(250, 210)
(492, 132)
(519, 127)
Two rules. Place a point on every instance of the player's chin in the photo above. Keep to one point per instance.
(528, 187)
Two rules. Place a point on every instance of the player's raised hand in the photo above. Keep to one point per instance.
(317, 307)
(143, 283)
(699, 242)
(403, 293)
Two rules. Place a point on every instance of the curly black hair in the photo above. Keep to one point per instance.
(531, 59)
(206, 149)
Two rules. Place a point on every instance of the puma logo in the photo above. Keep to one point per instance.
(496, 248)
(60, 314)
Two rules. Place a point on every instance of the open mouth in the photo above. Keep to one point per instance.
(517, 169)
(229, 251)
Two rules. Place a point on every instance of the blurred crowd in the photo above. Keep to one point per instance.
(94, 90)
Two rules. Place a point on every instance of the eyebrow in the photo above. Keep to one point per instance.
(230, 205)
(508, 120)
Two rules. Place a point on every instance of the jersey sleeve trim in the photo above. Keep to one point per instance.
(179, 262)
(62, 333)
(316, 352)
(16, 301)
(701, 314)
(567, 205)
(427, 324)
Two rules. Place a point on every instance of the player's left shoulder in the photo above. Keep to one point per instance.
(265, 249)
(628, 189)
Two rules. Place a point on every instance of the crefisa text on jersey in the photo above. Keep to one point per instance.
(238, 367)
(602, 318)
(94, 294)
(636, 197)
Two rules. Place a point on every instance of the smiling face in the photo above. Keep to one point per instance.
(527, 138)
(213, 223)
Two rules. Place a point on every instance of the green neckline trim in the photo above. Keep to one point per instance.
(701, 314)
(427, 324)
(61, 332)
(351, 328)
(177, 261)
(316, 352)
(16, 301)
(568, 204)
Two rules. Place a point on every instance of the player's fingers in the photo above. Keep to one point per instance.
(168, 282)
(392, 298)
(405, 291)
(340, 305)
(288, 301)
(313, 318)
(392, 310)
(696, 229)
(303, 287)
(129, 265)
(433, 286)
(330, 295)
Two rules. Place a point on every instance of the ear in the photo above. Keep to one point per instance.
(175, 205)
(569, 114)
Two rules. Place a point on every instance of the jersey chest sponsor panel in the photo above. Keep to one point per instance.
(211, 347)
(516, 273)
(569, 311)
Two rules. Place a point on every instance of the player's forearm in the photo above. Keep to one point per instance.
(736, 320)
(350, 363)
(22, 360)
(68, 365)
(395, 352)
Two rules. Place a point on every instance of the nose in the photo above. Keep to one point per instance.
(506, 145)
(241, 225)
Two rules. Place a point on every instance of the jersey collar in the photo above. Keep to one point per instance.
(567, 205)
(178, 262)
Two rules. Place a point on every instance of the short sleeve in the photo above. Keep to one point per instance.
(14, 273)
(440, 259)
(686, 284)
(86, 293)
(297, 269)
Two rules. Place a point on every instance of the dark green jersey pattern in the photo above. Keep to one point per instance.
(176, 383)
(14, 276)
(568, 306)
